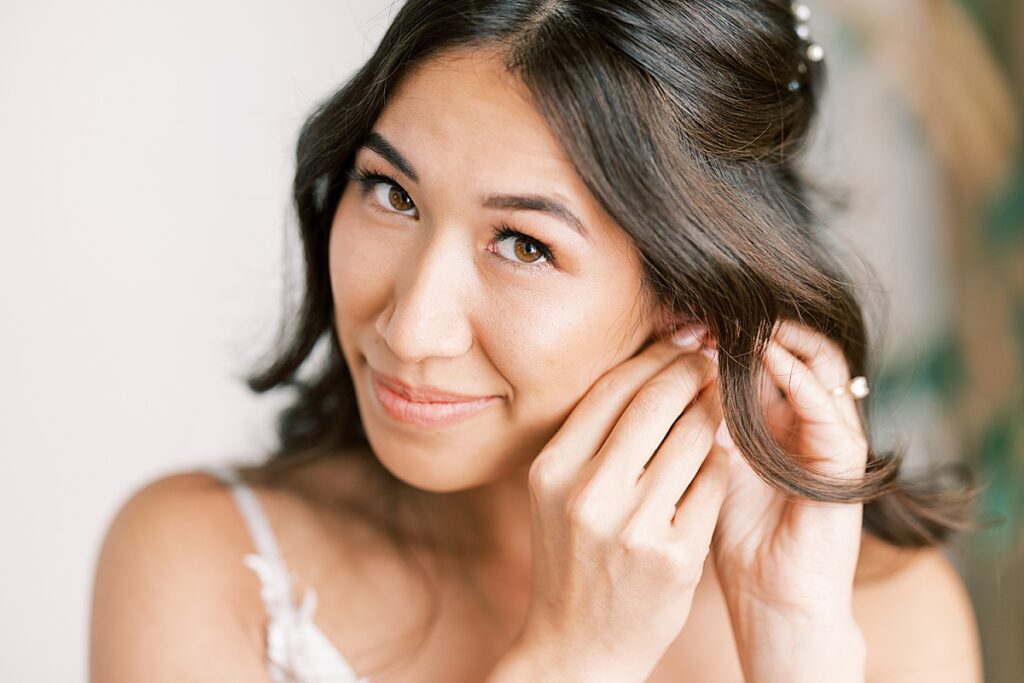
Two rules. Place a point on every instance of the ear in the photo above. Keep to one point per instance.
(667, 321)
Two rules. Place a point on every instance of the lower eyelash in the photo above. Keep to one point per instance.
(504, 231)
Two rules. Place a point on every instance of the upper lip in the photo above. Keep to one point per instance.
(423, 393)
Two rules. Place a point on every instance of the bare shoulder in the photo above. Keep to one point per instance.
(916, 615)
(172, 599)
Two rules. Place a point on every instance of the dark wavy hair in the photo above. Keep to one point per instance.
(684, 119)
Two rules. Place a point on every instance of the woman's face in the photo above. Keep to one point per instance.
(425, 290)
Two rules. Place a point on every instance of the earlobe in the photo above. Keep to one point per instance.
(667, 322)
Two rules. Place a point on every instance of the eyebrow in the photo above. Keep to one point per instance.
(511, 202)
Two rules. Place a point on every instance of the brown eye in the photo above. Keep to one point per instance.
(398, 199)
(526, 251)
(370, 184)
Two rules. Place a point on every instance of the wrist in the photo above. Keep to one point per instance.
(801, 647)
(550, 662)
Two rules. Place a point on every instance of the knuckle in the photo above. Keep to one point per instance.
(693, 367)
(667, 558)
(583, 510)
(703, 438)
(689, 563)
(686, 378)
(654, 399)
(542, 475)
(611, 385)
(832, 351)
(636, 539)
(695, 430)
(689, 560)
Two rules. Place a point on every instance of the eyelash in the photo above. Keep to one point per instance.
(367, 178)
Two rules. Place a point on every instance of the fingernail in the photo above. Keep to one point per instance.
(689, 337)
(722, 436)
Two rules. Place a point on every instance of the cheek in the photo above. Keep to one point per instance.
(359, 273)
(537, 348)
(549, 361)
(559, 345)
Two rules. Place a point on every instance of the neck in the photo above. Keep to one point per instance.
(498, 514)
(487, 525)
(488, 528)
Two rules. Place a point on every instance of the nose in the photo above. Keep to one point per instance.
(427, 316)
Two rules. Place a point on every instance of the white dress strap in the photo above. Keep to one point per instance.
(252, 512)
(297, 651)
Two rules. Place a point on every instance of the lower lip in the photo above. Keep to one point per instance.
(425, 414)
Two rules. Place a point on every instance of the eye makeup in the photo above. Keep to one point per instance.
(367, 178)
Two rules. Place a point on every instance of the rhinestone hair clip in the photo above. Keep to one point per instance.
(814, 51)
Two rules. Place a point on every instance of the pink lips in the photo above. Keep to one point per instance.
(424, 413)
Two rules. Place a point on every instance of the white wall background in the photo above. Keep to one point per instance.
(145, 159)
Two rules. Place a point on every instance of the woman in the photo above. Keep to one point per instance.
(501, 469)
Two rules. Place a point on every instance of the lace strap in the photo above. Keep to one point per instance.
(297, 651)
(252, 512)
(267, 562)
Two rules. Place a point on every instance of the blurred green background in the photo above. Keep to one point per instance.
(922, 124)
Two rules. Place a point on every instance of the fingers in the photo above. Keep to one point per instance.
(822, 422)
(821, 355)
(776, 407)
(697, 513)
(825, 359)
(679, 457)
(803, 390)
(648, 418)
(592, 421)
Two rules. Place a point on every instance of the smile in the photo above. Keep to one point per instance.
(422, 413)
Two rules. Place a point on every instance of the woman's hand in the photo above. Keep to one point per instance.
(616, 555)
(786, 566)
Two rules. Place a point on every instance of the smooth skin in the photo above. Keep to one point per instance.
(424, 289)
(622, 519)
(788, 566)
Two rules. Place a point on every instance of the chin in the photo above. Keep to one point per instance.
(434, 468)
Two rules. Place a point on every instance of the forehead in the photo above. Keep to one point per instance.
(468, 102)
(468, 126)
